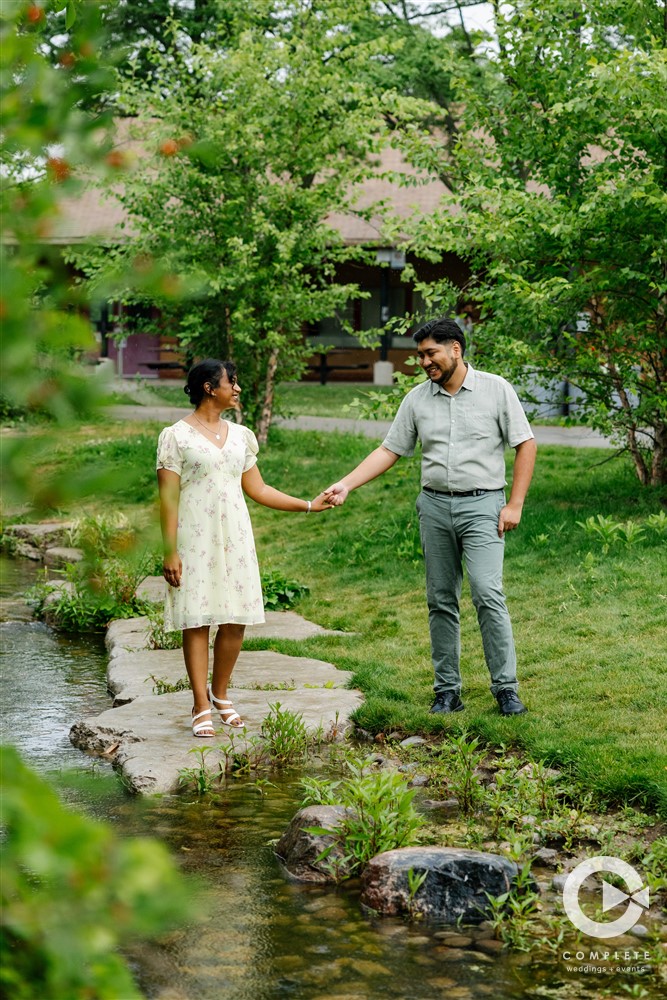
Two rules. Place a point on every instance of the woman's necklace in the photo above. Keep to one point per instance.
(216, 436)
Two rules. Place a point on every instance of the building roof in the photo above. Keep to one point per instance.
(96, 214)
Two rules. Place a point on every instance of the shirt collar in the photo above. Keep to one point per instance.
(468, 382)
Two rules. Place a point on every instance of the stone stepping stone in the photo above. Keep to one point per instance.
(149, 739)
(134, 674)
(149, 736)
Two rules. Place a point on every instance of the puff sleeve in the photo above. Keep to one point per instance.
(251, 449)
(168, 452)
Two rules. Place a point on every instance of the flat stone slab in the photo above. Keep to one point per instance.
(149, 736)
(126, 634)
(149, 739)
(62, 556)
(134, 674)
(41, 534)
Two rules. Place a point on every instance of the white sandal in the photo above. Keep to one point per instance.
(199, 727)
(227, 715)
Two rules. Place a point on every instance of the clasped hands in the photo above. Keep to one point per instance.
(334, 496)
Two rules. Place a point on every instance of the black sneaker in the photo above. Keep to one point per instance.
(447, 701)
(510, 703)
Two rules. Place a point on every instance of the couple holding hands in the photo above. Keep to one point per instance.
(463, 418)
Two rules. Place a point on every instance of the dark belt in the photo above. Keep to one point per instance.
(454, 493)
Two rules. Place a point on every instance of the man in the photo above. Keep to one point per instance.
(464, 419)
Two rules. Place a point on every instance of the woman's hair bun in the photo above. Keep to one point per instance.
(186, 390)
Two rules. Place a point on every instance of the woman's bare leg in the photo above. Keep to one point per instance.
(195, 654)
(226, 649)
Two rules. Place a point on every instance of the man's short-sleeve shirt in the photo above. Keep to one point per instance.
(464, 436)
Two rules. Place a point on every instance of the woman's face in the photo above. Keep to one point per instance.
(226, 393)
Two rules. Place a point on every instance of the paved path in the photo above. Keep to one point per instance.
(573, 437)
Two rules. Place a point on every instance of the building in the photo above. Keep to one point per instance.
(337, 355)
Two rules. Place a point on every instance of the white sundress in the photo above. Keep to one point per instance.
(220, 582)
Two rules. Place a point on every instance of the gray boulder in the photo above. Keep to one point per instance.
(455, 887)
(299, 850)
(43, 535)
(62, 556)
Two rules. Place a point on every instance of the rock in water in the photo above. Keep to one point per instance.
(299, 849)
(455, 887)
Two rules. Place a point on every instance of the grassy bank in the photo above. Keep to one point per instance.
(590, 616)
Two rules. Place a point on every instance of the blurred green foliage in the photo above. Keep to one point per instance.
(73, 893)
(57, 130)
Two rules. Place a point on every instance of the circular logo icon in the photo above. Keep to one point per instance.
(636, 899)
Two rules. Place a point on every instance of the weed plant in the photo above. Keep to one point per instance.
(158, 636)
(280, 593)
(379, 817)
(161, 686)
(285, 735)
(283, 741)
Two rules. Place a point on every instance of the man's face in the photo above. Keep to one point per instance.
(439, 361)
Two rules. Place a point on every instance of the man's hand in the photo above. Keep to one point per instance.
(336, 495)
(172, 569)
(509, 518)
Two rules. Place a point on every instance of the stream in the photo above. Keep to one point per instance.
(262, 937)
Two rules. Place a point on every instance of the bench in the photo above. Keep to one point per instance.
(325, 366)
(164, 366)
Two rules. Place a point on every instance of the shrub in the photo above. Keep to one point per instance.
(73, 893)
(280, 593)
(93, 596)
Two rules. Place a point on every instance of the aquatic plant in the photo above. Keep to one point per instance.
(380, 815)
(199, 778)
(285, 736)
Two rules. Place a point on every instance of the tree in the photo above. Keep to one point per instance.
(251, 145)
(561, 209)
(56, 134)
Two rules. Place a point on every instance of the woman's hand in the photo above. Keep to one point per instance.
(319, 504)
(172, 569)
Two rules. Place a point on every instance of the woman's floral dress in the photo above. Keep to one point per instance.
(220, 581)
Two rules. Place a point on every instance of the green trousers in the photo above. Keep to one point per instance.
(454, 531)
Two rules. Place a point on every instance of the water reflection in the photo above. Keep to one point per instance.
(266, 938)
(48, 681)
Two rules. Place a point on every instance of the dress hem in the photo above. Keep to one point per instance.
(170, 627)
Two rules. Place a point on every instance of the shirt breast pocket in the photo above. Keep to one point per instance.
(481, 425)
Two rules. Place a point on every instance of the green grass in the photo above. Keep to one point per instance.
(312, 399)
(292, 398)
(589, 624)
(589, 629)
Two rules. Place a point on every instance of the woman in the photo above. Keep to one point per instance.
(204, 465)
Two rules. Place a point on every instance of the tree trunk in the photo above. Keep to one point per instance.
(659, 463)
(264, 421)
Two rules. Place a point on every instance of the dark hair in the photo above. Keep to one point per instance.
(441, 330)
(207, 372)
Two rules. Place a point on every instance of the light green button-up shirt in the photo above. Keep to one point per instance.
(464, 436)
